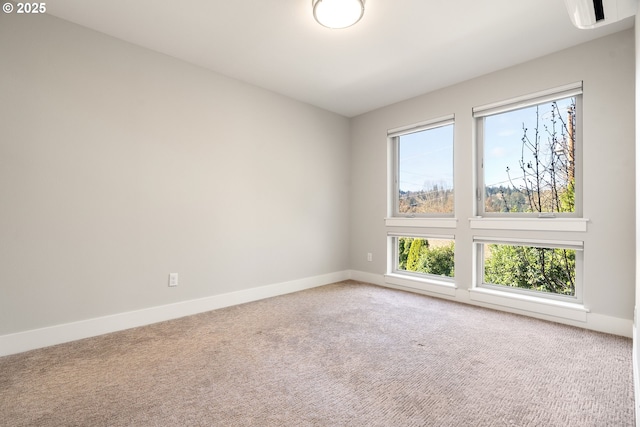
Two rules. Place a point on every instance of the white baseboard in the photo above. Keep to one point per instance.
(610, 325)
(58, 334)
(592, 321)
(361, 276)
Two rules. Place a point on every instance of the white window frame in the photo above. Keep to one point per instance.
(393, 137)
(429, 283)
(395, 255)
(483, 111)
(479, 283)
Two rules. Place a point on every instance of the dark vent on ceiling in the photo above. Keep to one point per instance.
(599, 9)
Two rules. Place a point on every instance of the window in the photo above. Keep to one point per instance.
(529, 163)
(423, 169)
(545, 269)
(529, 170)
(424, 256)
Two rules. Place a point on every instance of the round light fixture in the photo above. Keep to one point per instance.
(338, 13)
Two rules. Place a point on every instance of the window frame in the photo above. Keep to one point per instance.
(479, 283)
(393, 137)
(480, 113)
(413, 274)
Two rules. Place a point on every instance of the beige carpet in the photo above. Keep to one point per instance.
(347, 354)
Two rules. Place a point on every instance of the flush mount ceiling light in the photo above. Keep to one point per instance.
(338, 13)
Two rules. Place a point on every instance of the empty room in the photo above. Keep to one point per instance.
(319, 213)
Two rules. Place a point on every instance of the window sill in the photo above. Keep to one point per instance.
(533, 224)
(562, 309)
(421, 222)
(427, 284)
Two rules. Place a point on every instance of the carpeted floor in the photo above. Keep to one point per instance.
(347, 354)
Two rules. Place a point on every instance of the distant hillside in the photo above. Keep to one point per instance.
(434, 201)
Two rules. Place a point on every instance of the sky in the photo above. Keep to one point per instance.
(426, 157)
(503, 140)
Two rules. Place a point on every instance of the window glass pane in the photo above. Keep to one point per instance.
(425, 171)
(529, 159)
(427, 256)
(550, 270)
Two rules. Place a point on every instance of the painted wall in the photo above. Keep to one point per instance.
(607, 67)
(119, 165)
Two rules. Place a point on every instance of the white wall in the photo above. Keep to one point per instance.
(119, 165)
(606, 66)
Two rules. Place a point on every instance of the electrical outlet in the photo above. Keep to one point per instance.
(369, 256)
(173, 279)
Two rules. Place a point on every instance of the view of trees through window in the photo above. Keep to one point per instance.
(529, 166)
(529, 159)
(539, 269)
(429, 256)
(425, 171)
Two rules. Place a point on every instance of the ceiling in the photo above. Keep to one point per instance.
(400, 48)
